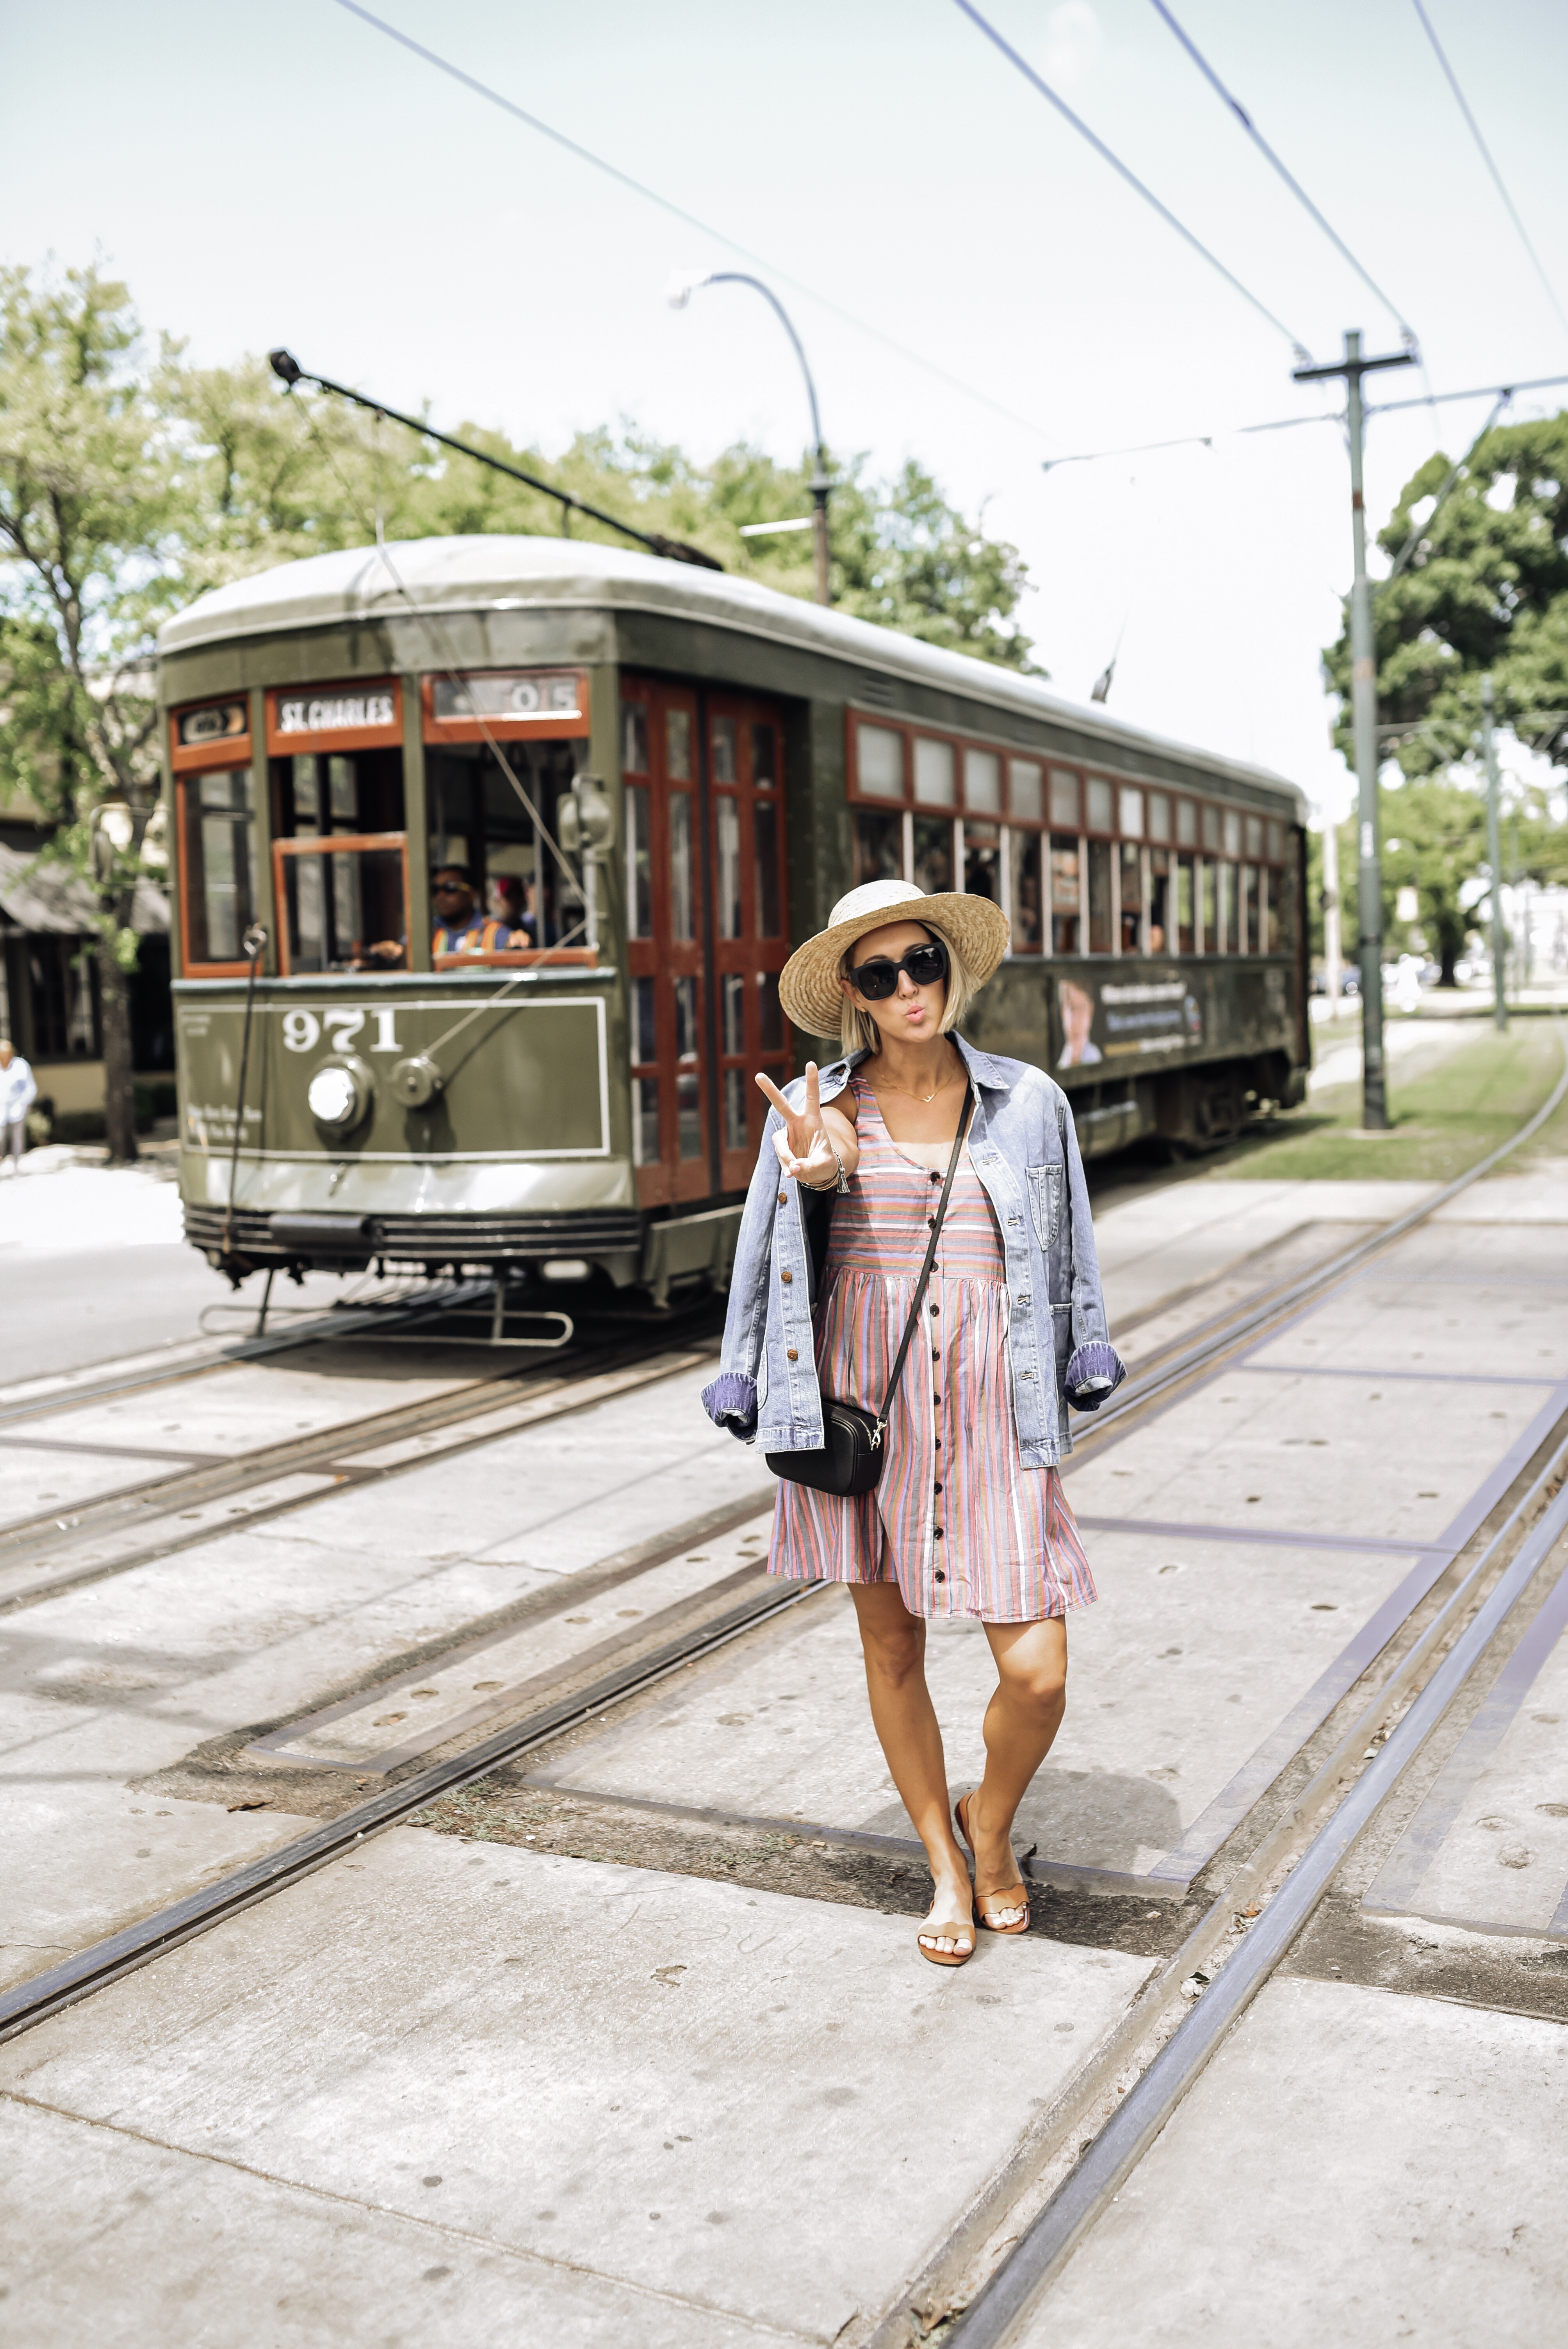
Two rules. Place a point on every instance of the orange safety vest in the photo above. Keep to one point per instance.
(486, 937)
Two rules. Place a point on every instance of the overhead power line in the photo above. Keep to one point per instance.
(1502, 392)
(677, 212)
(1292, 183)
(1497, 179)
(1189, 440)
(1122, 171)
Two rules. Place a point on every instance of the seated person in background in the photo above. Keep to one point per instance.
(462, 926)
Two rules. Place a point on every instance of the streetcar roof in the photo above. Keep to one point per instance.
(497, 571)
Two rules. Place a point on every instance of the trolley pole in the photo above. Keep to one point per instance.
(1495, 858)
(1364, 726)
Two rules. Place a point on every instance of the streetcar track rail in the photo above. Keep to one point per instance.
(131, 1528)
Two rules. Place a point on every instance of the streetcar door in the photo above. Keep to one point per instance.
(665, 925)
(706, 932)
(746, 789)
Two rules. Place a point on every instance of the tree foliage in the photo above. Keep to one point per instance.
(1486, 590)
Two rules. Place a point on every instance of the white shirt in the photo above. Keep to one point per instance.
(18, 1090)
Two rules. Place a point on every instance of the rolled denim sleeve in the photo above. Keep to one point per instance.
(1095, 1369)
(730, 1399)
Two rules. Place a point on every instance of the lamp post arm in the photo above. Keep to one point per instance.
(740, 277)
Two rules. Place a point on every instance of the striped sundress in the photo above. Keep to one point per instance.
(955, 1519)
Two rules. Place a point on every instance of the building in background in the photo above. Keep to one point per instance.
(50, 993)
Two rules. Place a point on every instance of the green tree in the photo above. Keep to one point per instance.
(1485, 590)
(85, 510)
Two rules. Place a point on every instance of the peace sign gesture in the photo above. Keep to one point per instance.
(804, 1148)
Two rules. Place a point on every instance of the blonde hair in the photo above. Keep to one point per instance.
(858, 1033)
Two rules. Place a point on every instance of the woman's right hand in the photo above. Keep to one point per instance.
(805, 1149)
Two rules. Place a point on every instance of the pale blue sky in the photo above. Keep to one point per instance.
(287, 174)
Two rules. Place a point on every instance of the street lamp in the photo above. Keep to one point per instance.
(683, 284)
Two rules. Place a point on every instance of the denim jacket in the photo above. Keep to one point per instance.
(1023, 1147)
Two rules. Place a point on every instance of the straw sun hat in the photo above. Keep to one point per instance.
(809, 985)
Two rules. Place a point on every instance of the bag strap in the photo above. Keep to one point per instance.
(920, 1286)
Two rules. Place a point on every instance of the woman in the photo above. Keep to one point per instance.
(968, 1517)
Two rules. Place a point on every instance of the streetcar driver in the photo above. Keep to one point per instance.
(462, 926)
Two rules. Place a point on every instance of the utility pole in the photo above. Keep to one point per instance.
(1495, 858)
(1333, 952)
(1364, 725)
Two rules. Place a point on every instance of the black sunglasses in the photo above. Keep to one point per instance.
(449, 888)
(877, 980)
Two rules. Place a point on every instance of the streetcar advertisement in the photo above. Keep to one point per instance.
(1126, 1019)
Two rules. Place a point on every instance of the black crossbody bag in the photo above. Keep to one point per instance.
(850, 1458)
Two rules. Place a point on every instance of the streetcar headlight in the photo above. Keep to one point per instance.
(339, 1094)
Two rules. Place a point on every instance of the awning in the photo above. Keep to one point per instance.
(37, 893)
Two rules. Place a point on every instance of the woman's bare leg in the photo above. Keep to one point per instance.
(894, 1642)
(1021, 1723)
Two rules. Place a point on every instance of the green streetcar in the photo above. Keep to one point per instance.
(638, 783)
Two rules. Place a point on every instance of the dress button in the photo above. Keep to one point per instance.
(937, 1531)
(936, 1488)
(936, 1179)
(935, 1355)
(936, 1308)
(791, 1355)
(786, 1278)
(782, 1197)
(940, 1576)
(932, 1221)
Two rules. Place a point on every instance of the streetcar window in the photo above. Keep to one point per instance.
(645, 1021)
(765, 849)
(1131, 878)
(936, 785)
(1231, 907)
(1100, 936)
(1208, 940)
(497, 813)
(344, 908)
(933, 854)
(1186, 823)
(1276, 843)
(1130, 812)
(1025, 791)
(635, 738)
(682, 909)
(639, 864)
(726, 823)
(1159, 900)
(1268, 912)
(1159, 816)
(879, 847)
(725, 769)
(1254, 836)
(646, 1151)
(1064, 799)
(770, 1012)
(879, 762)
(1211, 819)
(732, 1007)
(1066, 894)
(219, 865)
(1100, 818)
(688, 1101)
(318, 791)
(764, 758)
(678, 745)
(1251, 940)
(1186, 903)
(983, 861)
(1023, 876)
(983, 781)
(1233, 832)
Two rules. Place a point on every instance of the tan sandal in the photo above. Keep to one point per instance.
(947, 1933)
(1001, 1896)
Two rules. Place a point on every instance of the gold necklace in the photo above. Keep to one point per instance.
(924, 1100)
